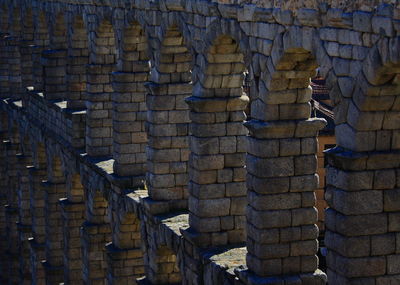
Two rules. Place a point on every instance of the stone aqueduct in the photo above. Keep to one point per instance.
(126, 151)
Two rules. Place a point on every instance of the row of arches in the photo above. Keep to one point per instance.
(178, 121)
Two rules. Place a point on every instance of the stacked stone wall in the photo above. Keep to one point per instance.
(127, 155)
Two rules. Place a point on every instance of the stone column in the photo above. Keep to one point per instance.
(11, 211)
(363, 221)
(4, 82)
(53, 265)
(167, 151)
(73, 216)
(78, 58)
(281, 215)
(54, 73)
(99, 90)
(3, 199)
(37, 69)
(217, 188)
(27, 77)
(24, 223)
(95, 234)
(27, 47)
(14, 68)
(129, 103)
(129, 112)
(37, 206)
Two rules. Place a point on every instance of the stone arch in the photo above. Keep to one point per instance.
(372, 116)
(362, 172)
(129, 108)
(102, 53)
(217, 145)
(168, 121)
(78, 58)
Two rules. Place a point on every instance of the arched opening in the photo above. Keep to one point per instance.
(102, 53)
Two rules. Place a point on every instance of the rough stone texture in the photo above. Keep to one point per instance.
(129, 116)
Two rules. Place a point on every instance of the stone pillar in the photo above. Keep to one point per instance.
(37, 69)
(14, 68)
(24, 223)
(27, 77)
(78, 58)
(73, 215)
(54, 191)
(54, 73)
(129, 104)
(27, 46)
(167, 151)
(4, 82)
(3, 199)
(281, 215)
(37, 206)
(99, 89)
(362, 221)
(99, 108)
(11, 211)
(217, 189)
(95, 234)
(129, 112)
